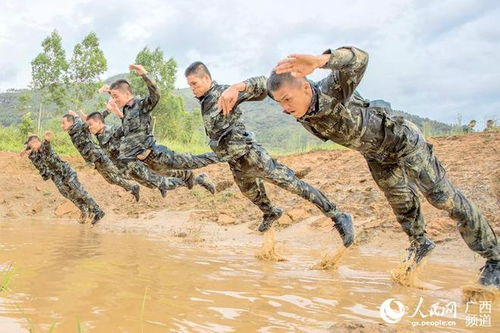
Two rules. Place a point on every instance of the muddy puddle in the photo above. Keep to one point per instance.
(71, 278)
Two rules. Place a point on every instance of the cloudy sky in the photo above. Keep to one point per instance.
(436, 59)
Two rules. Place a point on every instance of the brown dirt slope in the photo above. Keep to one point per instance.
(472, 163)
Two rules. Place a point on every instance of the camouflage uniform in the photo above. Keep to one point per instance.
(138, 137)
(249, 161)
(51, 166)
(110, 140)
(399, 158)
(91, 153)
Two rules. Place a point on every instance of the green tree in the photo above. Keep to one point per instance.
(25, 102)
(26, 125)
(48, 73)
(171, 121)
(86, 66)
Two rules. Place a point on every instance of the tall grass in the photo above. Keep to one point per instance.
(6, 278)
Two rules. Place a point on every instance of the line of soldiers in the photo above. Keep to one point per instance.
(399, 159)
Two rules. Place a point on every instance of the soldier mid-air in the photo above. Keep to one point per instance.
(138, 141)
(249, 161)
(51, 166)
(399, 158)
(109, 138)
(91, 153)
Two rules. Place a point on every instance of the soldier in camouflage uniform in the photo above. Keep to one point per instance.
(249, 161)
(138, 141)
(109, 138)
(399, 158)
(490, 126)
(92, 154)
(469, 128)
(51, 166)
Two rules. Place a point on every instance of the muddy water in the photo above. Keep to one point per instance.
(70, 276)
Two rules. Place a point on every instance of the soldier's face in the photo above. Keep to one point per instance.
(65, 124)
(34, 144)
(199, 84)
(294, 98)
(120, 97)
(95, 126)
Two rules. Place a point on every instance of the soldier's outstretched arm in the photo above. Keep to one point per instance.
(252, 89)
(348, 65)
(153, 98)
(111, 107)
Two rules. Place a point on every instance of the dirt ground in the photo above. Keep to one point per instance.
(472, 163)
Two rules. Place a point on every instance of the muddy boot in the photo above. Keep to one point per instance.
(97, 217)
(490, 274)
(343, 223)
(269, 219)
(135, 192)
(83, 218)
(205, 182)
(418, 250)
(190, 180)
(163, 189)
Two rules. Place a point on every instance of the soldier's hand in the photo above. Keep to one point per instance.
(300, 65)
(48, 135)
(82, 115)
(25, 152)
(112, 107)
(139, 69)
(104, 89)
(227, 100)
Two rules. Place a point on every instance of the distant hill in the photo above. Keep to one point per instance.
(273, 129)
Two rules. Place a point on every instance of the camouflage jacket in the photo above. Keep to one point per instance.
(339, 114)
(82, 140)
(137, 122)
(50, 161)
(39, 163)
(110, 140)
(229, 138)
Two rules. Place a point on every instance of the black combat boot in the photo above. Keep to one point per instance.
(419, 249)
(269, 219)
(205, 182)
(343, 223)
(490, 273)
(98, 216)
(135, 192)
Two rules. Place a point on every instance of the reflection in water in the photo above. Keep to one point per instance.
(67, 274)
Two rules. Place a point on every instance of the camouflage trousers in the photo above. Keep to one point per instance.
(71, 188)
(139, 172)
(257, 165)
(111, 173)
(422, 170)
(161, 159)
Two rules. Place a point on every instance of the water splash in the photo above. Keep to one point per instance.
(268, 250)
(331, 261)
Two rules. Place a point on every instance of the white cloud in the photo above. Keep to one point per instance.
(435, 59)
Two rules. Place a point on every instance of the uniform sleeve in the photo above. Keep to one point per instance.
(149, 103)
(348, 65)
(255, 89)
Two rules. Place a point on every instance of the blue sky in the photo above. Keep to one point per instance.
(436, 59)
